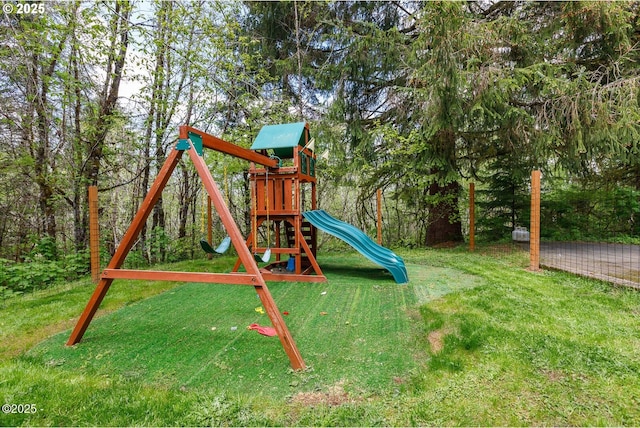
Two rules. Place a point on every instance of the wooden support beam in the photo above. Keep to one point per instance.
(125, 245)
(209, 226)
(220, 145)
(310, 256)
(248, 261)
(205, 277)
(270, 276)
(248, 244)
(276, 250)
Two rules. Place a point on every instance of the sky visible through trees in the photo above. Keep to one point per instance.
(415, 98)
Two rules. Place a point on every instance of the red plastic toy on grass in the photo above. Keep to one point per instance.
(263, 330)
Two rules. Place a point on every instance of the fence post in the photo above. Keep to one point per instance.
(379, 209)
(472, 216)
(534, 235)
(94, 234)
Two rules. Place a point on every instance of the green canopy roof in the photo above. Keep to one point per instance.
(281, 138)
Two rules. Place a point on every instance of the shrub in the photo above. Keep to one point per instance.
(39, 272)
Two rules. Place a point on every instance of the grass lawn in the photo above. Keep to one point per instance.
(471, 340)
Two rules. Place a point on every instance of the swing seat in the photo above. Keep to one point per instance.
(206, 247)
(221, 249)
(264, 258)
(224, 245)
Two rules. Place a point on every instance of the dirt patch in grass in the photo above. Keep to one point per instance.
(560, 376)
(436, 340)
(554, 375)
(335, 396)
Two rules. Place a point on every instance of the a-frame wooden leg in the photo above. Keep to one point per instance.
(289, 345)
(249, 244)
(238, 263)
(125, 245)
(248, 261)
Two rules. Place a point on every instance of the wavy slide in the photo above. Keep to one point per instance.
(361, 242)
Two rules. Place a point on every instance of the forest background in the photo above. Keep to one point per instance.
(414, 98)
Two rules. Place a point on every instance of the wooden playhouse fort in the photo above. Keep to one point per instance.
(284, 222)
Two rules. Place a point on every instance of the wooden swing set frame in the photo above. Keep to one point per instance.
(193, 141)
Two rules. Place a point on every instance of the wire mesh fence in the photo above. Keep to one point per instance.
(593, 230)
(589, 229)
(611, 262)
(494, 217)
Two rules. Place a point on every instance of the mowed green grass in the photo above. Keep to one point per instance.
(354, 330)
(471, 340)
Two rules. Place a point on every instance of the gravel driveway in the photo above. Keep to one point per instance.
(617, 263)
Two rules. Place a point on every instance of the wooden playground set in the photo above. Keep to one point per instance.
(282, 176)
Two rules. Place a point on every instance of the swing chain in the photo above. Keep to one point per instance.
(202, 211)
(267, 203)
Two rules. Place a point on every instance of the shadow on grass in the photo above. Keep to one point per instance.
(365, 272)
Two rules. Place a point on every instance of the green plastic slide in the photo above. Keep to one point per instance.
(361, 242)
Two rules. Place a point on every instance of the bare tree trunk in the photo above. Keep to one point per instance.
(119, 38)
(444, 216)
(38, 80)
(166, 96)
(156, 120)
(183, 198)
(444, 225)
(79, 205)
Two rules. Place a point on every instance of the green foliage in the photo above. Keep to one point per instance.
(504, 201)
(29, 276)
(565, 346)
(46, 249)
(136, 259)
(158, 242)
(40, 272)
(590, 213)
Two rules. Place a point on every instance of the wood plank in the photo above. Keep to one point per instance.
(275, 250)
(288, 195)
(277, 215)
(293, 277)
(278, 200)
(205, 277)
(284, 335)
(270, 194)
(261, 202)
(220, 145)
(311, 257)
(209, 226)
(125, 245)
